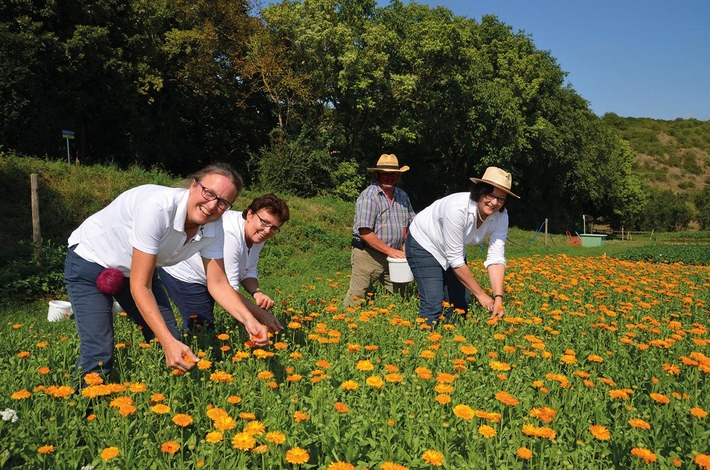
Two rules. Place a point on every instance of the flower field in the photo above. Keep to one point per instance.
(598, 363)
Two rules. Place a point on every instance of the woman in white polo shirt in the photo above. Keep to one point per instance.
(436, 246)
(144, 228)
(244, 236)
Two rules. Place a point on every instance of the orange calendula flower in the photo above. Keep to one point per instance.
(340, 466)
(243, 441)
(233, 399)
(170, 447)
(433, 457)
(392, 466)
(297, 456)
(423, 373)
(486, 431)
(463, 412)
(23, 354)
(224, 423)
(213, 437)
(506, 398)
(443, 399)
(223, 336)
(702, 461)
(364, 365)
(644, 454)
(341, 407)
(255, 428)
(48, 449)
(524, 453)
(660, 398)
(698, 412)
(182, 420)
(639, 423)
(221, 376)
(497, 365)
(299, 416)
(43, 370)
(109, 453)
(600, 432)
(21, 395)
(545, 414)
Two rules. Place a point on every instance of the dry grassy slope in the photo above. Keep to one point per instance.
(661, 174)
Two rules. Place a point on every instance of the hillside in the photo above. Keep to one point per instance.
(672, 155)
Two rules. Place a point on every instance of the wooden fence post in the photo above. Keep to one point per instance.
(36, 233)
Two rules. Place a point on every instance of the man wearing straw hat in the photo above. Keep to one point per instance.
(382, 214)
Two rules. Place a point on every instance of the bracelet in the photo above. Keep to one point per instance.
(255, 291)
(498, 295)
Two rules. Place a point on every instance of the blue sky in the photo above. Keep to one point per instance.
(635, 58)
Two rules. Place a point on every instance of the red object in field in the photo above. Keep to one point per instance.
(573, 240)
(110, 281)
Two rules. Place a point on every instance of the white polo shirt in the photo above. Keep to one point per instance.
(240, 261)
(448, 225)
(150, 218)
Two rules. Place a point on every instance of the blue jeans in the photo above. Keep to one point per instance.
(93, 317)
(194, 301)
(434, 284)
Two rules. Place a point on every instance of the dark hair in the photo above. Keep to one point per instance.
(272, 204)
(223, 169)
(478, 190)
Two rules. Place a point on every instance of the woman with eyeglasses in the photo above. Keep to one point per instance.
(244, 236)
(115, 253)
(436, 246)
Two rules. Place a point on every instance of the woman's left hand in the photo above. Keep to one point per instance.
(271, 322)
(497, 311)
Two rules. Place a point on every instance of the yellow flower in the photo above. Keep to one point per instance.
(349, 385)
(160, 409)
(275, 437)
(297, 456)
(463, 412)
(600, 432)
(243, 441)
(255, 428)
(109, 453)
(545, 414)
(443, 399)
(221, 376)
(299, 416)
(364, 365)
(213, 437)
(374, 381)
(486, 431)
(392, 466)
(433, 457)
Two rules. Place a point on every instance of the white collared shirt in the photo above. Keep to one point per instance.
(448, 225)
(240, 261)
(150, 218)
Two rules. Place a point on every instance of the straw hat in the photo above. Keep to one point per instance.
(388, 162)
(498, 178)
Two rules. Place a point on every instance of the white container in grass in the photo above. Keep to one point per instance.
(399, 270)
(59, 310)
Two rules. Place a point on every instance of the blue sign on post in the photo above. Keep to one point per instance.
(68, 135)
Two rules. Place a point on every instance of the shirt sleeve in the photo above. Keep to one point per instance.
(496, 242)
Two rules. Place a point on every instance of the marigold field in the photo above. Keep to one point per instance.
(598, 363)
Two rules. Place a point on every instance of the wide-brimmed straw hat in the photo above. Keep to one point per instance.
(498, 178)
(388, 162)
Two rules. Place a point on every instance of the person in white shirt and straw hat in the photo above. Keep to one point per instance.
(382, 214)
(436, 247)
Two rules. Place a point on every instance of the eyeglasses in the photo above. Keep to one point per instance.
(490, 197)
(209, 195)
(267, 225)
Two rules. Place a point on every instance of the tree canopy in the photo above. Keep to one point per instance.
(303, 95)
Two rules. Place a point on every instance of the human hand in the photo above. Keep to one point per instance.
(179, 356)
(498, 310)
(258, 333)
(264, 301)
(269, 320)
(397, 254)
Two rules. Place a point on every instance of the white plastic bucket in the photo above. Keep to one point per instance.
(399, 270)
(59, 310)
